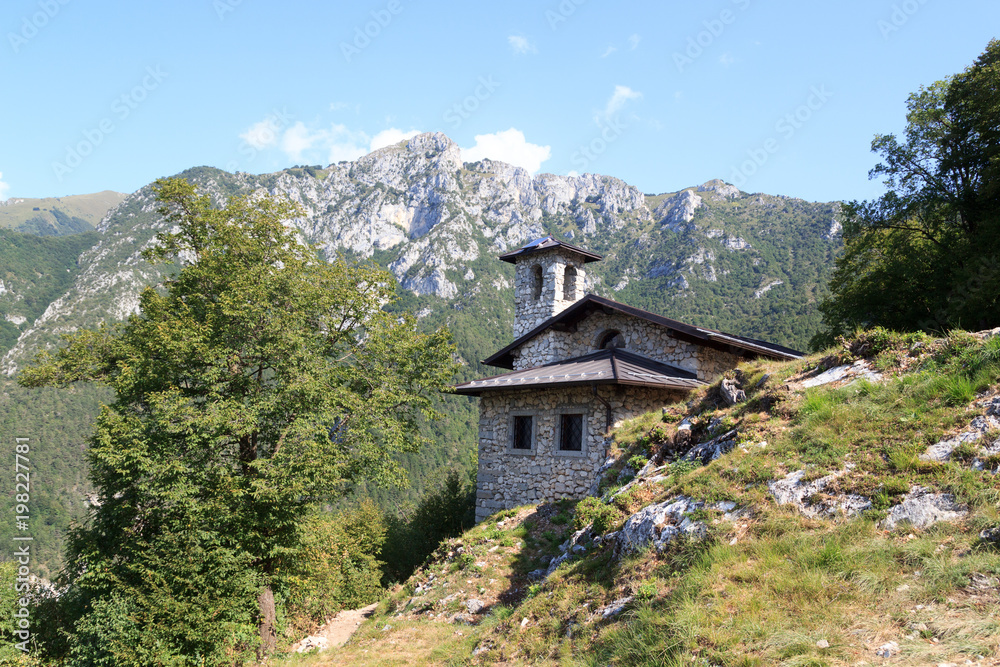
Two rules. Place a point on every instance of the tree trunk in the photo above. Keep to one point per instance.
(268, 618)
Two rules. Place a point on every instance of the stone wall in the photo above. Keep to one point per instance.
(509, 477)
(530, 311)
(642, 337)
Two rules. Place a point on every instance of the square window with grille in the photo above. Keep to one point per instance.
(571, 433)
(522, 431)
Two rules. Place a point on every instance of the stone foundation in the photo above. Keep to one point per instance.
(509, 477)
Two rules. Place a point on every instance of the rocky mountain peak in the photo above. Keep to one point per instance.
(720, 188)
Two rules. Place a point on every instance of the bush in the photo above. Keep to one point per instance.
(592, 511)
(338, 566)
(871, 342)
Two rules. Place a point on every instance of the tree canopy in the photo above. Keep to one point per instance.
(926, 255)
(255, 384)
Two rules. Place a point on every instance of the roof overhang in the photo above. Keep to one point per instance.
(617, 367)
(569, 318)
(548, 243)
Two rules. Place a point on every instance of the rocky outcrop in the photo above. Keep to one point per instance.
(660, 524)
(921, 508)
(720, 189)
(807, 495)
(980, 426)
(675, 212)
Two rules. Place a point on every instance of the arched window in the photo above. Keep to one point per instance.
(536, 282)
(569, 284)
(611, 340)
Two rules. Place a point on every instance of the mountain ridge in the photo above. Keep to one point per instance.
(57, 216)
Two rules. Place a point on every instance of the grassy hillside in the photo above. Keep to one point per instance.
(56, 216)
(832, 578)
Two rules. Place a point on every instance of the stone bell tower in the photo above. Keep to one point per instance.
(548, 279)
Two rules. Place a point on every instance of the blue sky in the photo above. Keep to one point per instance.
(782, 98)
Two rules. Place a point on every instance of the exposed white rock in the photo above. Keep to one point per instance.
(720, 188)
(921, 508)
(859, 369)
(312, 643)
(736, 243)
(16, 320)
(675, 212)
(835, 229)
(706, 452)
(793, 490)
(659, 524)
(980, 426)
(767, 288)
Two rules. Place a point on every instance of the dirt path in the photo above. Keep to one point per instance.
(337, 630)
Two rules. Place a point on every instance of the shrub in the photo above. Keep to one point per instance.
(637, 462)
(869, 343)
(592, 511)
(338, 567)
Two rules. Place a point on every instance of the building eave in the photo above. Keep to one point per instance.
(604, 367)
(740, 345)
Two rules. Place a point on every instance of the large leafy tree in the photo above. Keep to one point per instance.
(258, 382)
(926, 255)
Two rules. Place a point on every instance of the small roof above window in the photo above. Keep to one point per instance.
(548, 243)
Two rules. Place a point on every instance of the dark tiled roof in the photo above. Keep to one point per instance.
(697, 335)
(547, 243)
(602, 367)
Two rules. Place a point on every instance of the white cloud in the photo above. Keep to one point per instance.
(608, 51)
(263, 134)
(297, 139)
(304, 144)
(622, 96)
(342, 143)
(4, 187)
(633, 42)
(338, 143)
(508, 146)
(390, 137)
(521, 45)
(726, 59)
(337, 106)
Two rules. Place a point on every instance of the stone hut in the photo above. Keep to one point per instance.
(580, 365)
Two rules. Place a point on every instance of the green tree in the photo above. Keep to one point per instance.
(926, 255)
(257, 383)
